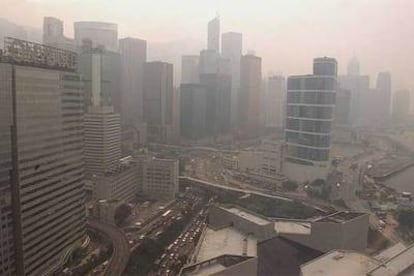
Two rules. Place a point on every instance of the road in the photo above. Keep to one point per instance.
(120, 255)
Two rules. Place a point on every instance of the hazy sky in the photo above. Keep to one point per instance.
(287, 34)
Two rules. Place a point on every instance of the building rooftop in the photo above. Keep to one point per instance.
(390, 252)
(399, 263)
(213, 266)
(339, 263)
(293, 227)
(340, 217)
(251, 217)
(226, 241)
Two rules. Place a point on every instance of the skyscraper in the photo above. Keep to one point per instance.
(102, 139)
(53, 34)
(213, 37)
(309, 116)
(231, 48)
(358, 86)
(45, 128)
(133, 56)
(401, 105)
(275, 102)
(158, 100)
(193, 110)
(101, 71)
(384, 95)
(250, 90)
(353, 67)
(101, 34)
(189, 69)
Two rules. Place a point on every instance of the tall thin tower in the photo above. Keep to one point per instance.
(213, 39)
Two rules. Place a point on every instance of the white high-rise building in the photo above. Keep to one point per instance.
(275, 102)
(213, 37)
(102, 139)
(231, 48)
(45, 124)
(310, 112)
(190, 69)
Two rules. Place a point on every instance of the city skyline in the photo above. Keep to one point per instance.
(371, 30)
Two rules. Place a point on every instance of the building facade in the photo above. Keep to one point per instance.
(189, 69)
(275, 102)
(53, 34)
(401, 105)
(213, 36)
(47, 165)
(193, 111)
(101, 34)
(158, 101)
(102, 139)
(250, 90)
(159, 177)
(231, 48)
(309, 116)
(101, 72)
(133, 54)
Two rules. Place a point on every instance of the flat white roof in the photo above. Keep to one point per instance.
(226, 241)
(339, 263)
(293, 227)
(248, 216)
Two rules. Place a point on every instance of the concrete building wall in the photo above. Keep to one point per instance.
(220, 217)
(326, 236)
(213, 34)
(248, 267)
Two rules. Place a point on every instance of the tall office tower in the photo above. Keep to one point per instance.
(401, 105)
(208, 62)
(309, 116)
(159, 177)
(189, 69)
(213, 38)
(6, 221)
(45, 120)
(101, 71)
(102, 139)
(53, 34)
(358, 85)
(353, 67)
(193, 110)
(275, 102)
(158, 100)
(249, 96)
(384, 95)
(218, 102)
(133, 56)
(342, 107)
(101, 34)
(231, 48)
